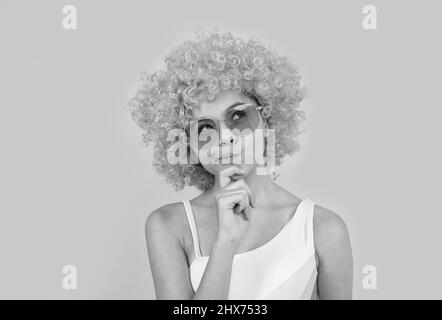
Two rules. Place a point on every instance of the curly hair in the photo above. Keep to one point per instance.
(216, 62)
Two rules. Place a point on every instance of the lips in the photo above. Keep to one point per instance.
(228, 158)
(218, 157)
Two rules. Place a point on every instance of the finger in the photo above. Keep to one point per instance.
(221, 196)
(226, 174)
(246, 213)
(237, 210)
(242, 184)
(235, 199)
(242, 205)
(241, 209)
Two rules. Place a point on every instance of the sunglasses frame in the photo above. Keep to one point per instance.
(216, 120)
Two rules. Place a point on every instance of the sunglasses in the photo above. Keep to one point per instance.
(240, 119)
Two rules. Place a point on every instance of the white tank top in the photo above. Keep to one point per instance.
(283, 268)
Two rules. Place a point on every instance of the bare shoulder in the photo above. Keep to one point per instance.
(334, 253)
(330, 230)
(165, 219)
(167, 257)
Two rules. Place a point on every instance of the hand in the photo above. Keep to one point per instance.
(234, 202)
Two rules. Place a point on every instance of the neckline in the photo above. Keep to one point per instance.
(266, 244)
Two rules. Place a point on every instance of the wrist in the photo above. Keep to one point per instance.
(224, 245)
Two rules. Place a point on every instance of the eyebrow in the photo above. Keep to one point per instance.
(233, 105)
(236, 104)
(242, 106)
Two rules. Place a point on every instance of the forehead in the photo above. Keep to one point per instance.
(221, 103)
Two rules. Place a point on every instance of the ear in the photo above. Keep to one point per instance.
(266, 127)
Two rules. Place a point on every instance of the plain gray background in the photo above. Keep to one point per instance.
(77, 184)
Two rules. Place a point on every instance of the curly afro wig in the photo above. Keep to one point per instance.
(216, 62)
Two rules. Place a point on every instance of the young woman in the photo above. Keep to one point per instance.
(244, 236)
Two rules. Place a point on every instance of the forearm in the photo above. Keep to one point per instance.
(215, 281)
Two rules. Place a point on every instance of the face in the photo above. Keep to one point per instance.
(225, 132)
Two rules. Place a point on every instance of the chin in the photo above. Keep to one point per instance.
(217, 168)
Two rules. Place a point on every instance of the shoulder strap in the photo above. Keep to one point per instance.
(309, 236)
(193, 229)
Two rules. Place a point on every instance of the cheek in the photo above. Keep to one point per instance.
(248, 146)
(253, 148)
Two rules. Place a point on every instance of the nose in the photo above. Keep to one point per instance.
(226, 135)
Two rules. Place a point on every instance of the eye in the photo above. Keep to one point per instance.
(203, 127)
(238, 115)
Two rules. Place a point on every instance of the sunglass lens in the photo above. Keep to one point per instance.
(243, 117)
